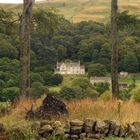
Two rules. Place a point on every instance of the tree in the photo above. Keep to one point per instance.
(97, 70)
(25, 31)
(114, 34)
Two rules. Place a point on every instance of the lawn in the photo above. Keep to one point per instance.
(69, 78)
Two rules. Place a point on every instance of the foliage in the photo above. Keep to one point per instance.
(36, 77)
(56, 79)
(37, 90)
(9, 94)
(91, 93)
(136, 94)
(124, 94)
(67, 93)
(102, 87)
(96, 70)
(81, 82)
(107, 95)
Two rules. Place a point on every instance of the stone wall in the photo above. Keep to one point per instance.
(76, 130)
(89, 128)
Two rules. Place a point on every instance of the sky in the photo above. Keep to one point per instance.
(13, 1)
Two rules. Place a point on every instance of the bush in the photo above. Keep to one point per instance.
(136, 94)
(107, 95)
(2, 84)
(56, 79)
(53, 93)
(80, 94)
(102, 87)
(91, 93)
(83, 83)
(9, 94)
(124, 94)
(36, 77)
(97, 70)
(76, 92)
(11, 83)
(4, 76)
(37, 90)
(67, 93)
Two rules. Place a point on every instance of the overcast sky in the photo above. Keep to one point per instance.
(13, 1)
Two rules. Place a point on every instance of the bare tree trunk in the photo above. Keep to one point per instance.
(114, 32)
(25, 31)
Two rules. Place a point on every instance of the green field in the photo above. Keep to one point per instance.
(79, 10)
(68, 81)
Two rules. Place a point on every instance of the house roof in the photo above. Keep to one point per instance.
(100, 78)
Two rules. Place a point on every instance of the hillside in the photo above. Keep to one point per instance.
(78, 10)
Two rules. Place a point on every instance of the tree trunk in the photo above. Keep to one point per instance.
(25, 29)
(114, 33)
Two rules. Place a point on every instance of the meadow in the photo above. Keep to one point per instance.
(79, 10)
(69, 78)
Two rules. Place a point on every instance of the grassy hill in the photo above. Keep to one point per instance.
(78, 10)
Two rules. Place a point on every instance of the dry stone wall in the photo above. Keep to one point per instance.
(88, 129)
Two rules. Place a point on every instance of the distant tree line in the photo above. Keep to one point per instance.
(56, 39)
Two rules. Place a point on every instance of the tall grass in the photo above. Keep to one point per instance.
(129, 111)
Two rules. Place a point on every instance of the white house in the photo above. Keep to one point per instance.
(123, 74)
(69, 68)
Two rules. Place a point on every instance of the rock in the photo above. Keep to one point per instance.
(100, 126)
(93, 135)
(108, 124)
(46, 129)
(132, 131)
(67, 127)
(45, 122)
(74, 137)
(114, 128)
(137, 126)
(51, 107)
(76, 130)
(76, 127)
(59, 131)
(89, 125)
(82, 136)
(76, 122)
(123, 131)
(67, 136)
(57, 124)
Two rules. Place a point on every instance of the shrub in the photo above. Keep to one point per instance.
(136, 94)
(37, 90)
(9, 94)
(80, 94)
(67, 93)
(91, 93)
(4, 76)
(102, 87)
(97, 70)
(11, 83)
(124, 94)
(54, 93)
(36, 77)
(107, 95)
(2, 84)
(47, 76)
(83, 83)
(76, 92)
(56, 79)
